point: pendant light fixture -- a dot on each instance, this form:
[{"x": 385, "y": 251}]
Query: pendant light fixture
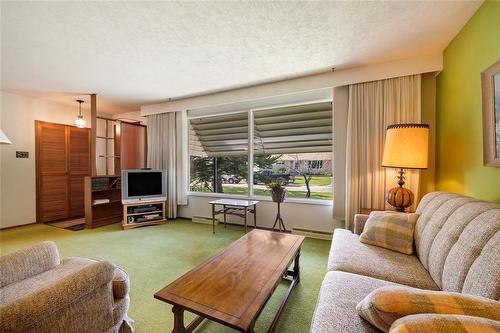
[{"x": 80, "y": 122}]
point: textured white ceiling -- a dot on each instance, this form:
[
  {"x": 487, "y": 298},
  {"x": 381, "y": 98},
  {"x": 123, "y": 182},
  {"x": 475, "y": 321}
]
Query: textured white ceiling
[{"x": 135, "y": 53}]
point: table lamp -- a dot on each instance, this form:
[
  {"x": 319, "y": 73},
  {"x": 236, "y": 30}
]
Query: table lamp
[{"x": 406, "y": 147}]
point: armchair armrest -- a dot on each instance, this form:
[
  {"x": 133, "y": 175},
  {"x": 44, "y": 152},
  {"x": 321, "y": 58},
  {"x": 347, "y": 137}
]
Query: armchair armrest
[
  {"x": 51, "y": 291},
  {"x": 28, "y": 262},
  {"x": 359, "y": 223}
]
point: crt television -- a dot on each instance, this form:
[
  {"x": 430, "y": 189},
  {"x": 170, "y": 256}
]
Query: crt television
[{"x": 144, "y": 185}]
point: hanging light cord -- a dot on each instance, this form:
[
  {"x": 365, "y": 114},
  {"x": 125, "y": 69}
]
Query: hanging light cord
[{"x": 80, "y": 106}]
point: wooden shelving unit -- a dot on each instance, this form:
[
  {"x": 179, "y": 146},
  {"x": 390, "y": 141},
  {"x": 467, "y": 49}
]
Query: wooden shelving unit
[
  {"x": 136, "y": 214},
  {"x": 97, "y": 189}
]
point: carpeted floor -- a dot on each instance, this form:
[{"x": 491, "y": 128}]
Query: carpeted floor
[{"x": 155, "y": 256}]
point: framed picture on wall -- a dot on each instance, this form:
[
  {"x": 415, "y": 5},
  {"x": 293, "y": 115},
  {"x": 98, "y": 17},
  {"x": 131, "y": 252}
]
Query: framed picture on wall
[{"x": 490, "y": 82}]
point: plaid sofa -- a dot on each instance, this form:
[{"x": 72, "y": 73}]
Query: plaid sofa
[
  {"x": 39, "y": 292},
  {"x": 457, "y": 248}
]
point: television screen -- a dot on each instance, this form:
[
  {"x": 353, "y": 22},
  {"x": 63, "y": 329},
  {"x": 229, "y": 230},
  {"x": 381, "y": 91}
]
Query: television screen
[{"x": 144, "y": 183}]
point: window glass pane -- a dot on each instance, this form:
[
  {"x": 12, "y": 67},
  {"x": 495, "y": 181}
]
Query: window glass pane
[
  {"x": 100, "y": 152},
  {"x": 218, "y": 153},
  {"x": 294, "y": 144}
]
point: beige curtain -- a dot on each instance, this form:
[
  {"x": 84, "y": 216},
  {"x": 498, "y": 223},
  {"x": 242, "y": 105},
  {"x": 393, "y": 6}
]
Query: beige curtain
[
  {"x": 167, "y": 149},
  {"x": 372, "y": 107}
]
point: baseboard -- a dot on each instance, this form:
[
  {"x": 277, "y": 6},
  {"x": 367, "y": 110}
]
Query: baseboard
[
  {"x": 17, "y": 226},
  {"x": 312, "y": 233}
]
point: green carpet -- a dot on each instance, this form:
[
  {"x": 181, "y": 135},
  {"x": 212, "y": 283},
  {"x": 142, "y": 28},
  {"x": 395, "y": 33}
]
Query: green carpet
[{"x": 156, "y": 255}]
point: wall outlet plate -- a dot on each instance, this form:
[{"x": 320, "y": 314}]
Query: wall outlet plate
[{"x": 22, "y": 154}]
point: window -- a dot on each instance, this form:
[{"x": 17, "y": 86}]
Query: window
[
  {"x": 218, "y": 154},
  {"x": 293, "y": 143}
]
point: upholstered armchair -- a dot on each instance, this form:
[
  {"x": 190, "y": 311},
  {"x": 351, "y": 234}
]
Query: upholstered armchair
[{"x": 39, "y": 292}]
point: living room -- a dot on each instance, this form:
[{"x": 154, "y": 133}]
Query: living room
[{"x": 165, "y": 165}]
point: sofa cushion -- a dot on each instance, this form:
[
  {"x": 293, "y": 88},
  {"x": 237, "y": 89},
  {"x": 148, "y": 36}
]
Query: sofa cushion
[
  {"x": 483, "y": 278},
  {"x": 385, "y": 305},
  {"x": 348, "y": 254},
  {"x": 336, "y": 308},
  {"x": 391, "y": 230},
  {"x": 436, "y": 323},
  {"x": 451, "y": 235}
]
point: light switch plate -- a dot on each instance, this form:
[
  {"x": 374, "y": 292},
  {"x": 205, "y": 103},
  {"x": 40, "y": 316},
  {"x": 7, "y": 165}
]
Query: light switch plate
[{"x": 22, "y": 154}]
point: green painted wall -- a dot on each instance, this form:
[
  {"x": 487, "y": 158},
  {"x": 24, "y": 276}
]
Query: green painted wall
[{"x": 459, "y": 115}]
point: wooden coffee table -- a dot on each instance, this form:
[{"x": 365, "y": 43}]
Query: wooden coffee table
[{"x": 233, "y": 286}]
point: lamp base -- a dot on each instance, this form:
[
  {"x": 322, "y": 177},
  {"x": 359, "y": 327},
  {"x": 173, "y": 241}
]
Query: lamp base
[{"x": 400, "y": 198}]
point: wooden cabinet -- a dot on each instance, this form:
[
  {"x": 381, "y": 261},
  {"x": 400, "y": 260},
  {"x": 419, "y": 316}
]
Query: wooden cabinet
[
  {"x": 138, "y": 214},
  {"x": 103, "y": 203},
  {"x": 62, "y": 162}
]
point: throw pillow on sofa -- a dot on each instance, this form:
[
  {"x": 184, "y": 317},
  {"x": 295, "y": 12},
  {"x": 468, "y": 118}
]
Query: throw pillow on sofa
[
  {"x": 383, "y": 306},
  {"x": 391, "y": 230},
  {"x": 437, "y": 323}
]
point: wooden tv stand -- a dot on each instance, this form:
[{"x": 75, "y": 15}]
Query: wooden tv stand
[{"x": 135, "y": 214}]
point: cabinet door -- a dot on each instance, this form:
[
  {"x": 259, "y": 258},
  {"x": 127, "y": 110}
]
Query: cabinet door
[
  {"x": 78, "y": 167},
  {"x": 52, "y": 180}
]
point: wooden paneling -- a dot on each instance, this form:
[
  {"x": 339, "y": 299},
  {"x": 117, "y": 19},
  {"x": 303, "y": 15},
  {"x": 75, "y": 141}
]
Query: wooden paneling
[
  {"x": 53, "y": 196},
  {"x": 79, "y": 151},
  {"x": 51, "y": 155},
  {"x": 52, "y": 148},
  {"x": 79, "y": 167},
  {"x": 131, "y": 142},
  {"x": 76, "y": 198},
  {"x": 62, "y": 161}
]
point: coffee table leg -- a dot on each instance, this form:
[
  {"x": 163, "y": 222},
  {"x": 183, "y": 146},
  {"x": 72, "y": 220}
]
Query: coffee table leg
[
  {"x": 255, "y": 216},
  {"x": 224, "y": 208},
  {"x": 296, "y": 266},
  {"x": 245, "y": 209},
  {"x": 178, "y": 320},
  {"x": 213, "y": 218},
  {"x": 250, "y": 329}
]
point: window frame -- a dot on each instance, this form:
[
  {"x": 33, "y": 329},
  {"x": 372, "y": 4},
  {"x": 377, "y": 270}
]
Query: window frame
[{"x": 250, "y": 155}]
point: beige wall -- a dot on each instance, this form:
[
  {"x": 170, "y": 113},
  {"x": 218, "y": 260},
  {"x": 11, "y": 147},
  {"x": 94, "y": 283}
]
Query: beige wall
[
  {"x": 295, "y": 214},
  {"x": 17, "y": 176}
]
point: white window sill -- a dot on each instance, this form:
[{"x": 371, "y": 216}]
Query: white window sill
[{"x": 261, "y": 198}]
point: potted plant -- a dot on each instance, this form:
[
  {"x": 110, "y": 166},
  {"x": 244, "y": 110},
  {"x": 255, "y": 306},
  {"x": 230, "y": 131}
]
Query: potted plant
[
  {"x": 278, "y": 193},
  {"x": 278, "y": 190}
]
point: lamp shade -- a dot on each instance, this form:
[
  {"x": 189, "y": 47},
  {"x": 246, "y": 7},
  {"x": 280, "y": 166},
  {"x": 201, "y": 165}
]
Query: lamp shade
[
  {"x": 406, "y": 146},
  {"x": 4, "y": 138}
]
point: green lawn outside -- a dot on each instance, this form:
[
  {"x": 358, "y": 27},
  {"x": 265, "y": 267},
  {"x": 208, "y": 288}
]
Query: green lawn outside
[
  {"x": 291, "y": 194},
  {"x": 315, "y": 180}
]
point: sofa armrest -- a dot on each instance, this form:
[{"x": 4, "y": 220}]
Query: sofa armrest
[
  {"x": 28, "y": 262},
  {"x": 28, "y": 310},
  {"x": 359, "y": 223}
]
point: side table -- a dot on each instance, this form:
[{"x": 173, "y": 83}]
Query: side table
[{"x": 234, "y": 207}]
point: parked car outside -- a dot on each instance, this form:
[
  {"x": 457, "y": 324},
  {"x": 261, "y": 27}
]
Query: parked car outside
[
  {"x": 265, "y": 176},
  {"x": 231, "y": 179}
]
